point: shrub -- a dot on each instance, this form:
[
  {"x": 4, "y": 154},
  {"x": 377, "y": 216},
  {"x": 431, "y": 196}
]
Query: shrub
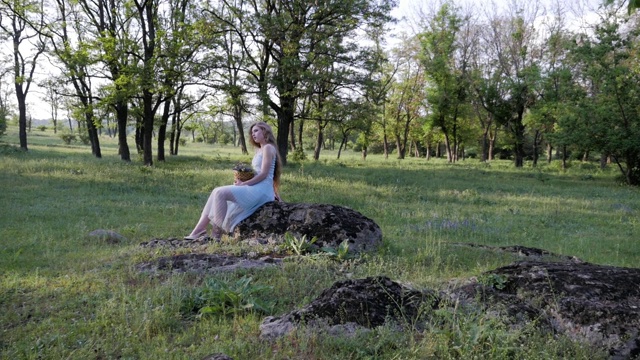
[
  {"x": 219, "y": 297},
  {"x": 588, "y": 166},
  {"x": 298, "y": 246},
  {"x": 298, "y": 154},
  {"x": 84, "y": 138},
  {"x": 68, "y": 138}
]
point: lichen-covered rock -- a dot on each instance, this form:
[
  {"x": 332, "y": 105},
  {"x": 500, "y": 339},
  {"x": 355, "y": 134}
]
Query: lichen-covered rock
[
  {"x": 596, "y": 304},
  {"x": 330, "y": 224},
  {"x": 366, "y": 302}
]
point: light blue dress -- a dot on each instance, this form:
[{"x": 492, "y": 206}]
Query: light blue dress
[{"x": 248, "y": 197}]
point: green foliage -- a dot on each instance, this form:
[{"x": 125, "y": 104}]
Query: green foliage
[
  {"x": 610, "y": 118},
  {"x": 298, "y": 154},
  {"x": 298, "y": 245},
  {"x": 84, "y": 138},
  {"x": 67, "y": 137},
  {"x": 341, "y": 253},
  {"x": 496, "y": 281},
  {"x": 226, "y": 297}
]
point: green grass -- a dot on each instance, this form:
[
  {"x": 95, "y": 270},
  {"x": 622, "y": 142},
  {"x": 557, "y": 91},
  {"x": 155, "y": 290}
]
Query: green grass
[{"x": 64, "y": 295}]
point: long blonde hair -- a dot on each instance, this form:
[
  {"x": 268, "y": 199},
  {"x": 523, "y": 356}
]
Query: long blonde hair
[{"x": 271, "y": 139}]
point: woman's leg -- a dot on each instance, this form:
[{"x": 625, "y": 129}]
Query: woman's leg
[
  {"x": 214, "y": 212},
  {"x": 218, "y": 209},
  {"x": 201, "y": 226}
]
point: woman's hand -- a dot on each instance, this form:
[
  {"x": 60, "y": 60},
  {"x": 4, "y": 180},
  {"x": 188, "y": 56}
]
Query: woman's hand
[{"x": 237, "y": 182}]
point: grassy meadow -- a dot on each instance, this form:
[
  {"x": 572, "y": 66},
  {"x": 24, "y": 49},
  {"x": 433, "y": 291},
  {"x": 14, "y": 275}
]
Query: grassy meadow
[{"x": 64, "y": 295}]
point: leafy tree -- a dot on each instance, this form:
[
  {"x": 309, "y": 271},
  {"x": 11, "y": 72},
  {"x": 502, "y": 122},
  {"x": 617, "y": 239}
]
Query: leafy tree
[
  {"x": 517, "y": 52},
  {"x": 54, "y": 96},
  {"x": 611, "y": 123},
  {"x": 231, "y": 56},
  {"x": 77, "y": 57},
  {"x": 5, "y": 109},
  {"x": 300, "y": 31},
  {"x": 445, "y": 57},
  {"x": 558, "y": 92},
  {"x": 185, "y": 107},
  {"x": 378, "y": 80},
  {"x": 181, "y": 45},
  {"x": 22, "y": 22},
  {"x": 106, "y": 27},
  {"x": 405, "y": 103}
]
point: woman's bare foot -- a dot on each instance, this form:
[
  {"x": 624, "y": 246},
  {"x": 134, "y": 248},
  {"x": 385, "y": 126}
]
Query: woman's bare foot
[{"x": 195, "y": 235}]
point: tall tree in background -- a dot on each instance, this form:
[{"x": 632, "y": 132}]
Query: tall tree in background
[
  {"x": 609, "y": 65},
  {"x": 515, "y": 45},
  {"x": 298, "y": 30},
  {"x": 146, "y": 15},
  {"x": 74, "y": 52},
  {"x": 54, "y": 96},
  {"x": 445, "y": 55},
  {"x": 378, "y": 80},
  {"x": 181, "y": 45},
  {"x": 109, "y": 27},
  {"x": 558, "y": 91},
  {"x": 22, "y": 21},
  {"x": 230, "y": 56},
  {"x": 406, "y": 97},
  {"x": 5, "y": 109}
]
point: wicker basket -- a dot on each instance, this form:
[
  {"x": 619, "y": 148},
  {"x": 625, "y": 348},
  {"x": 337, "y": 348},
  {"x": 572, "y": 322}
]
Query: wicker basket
[{"x": 243, "y": 175}]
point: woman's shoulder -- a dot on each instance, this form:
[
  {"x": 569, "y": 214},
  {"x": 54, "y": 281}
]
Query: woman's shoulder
[{"x": 268, "y": 148}]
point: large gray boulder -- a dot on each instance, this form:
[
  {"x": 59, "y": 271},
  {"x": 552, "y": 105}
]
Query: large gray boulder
[
  {"x": 594, "y": 304},
  {"x": 330, "y": 224},
  {"x": 363, "y": 303}
]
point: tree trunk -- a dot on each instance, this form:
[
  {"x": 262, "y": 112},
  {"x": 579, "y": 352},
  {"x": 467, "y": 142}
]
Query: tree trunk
[
  {"x": 162, "y": 130},
  {"x": 138, "y": 136},
  {"x": 300, "y": 131},
  {"x": 485, "y": 146},
  {"x": 285, "y": 114},
  {"x": 427, "y": 146},
  {"x": 93, "y": 134},
  {"x": 237, "y": 115},
  {"x": 604, "y": 160},
  {"x": 292, "y": 135},
  {"x": 319, "y": 141},
  {"x": 147, "y": 133},
  {"x": 343, "y": 144},
  {"x": 447, "y": 147},
  {"x": 399, "y": 147},
  {"x": 22, "y": 116},
  {"x": 536, "y": 140},
  {"x": 385, "y": 145},
  {"x": 519, "y": 142},
  {"x": 492, "y": 145}
]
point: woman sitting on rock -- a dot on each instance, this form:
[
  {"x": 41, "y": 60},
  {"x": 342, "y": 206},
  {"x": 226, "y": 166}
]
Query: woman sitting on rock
[{"x": 228, "y": 205}]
